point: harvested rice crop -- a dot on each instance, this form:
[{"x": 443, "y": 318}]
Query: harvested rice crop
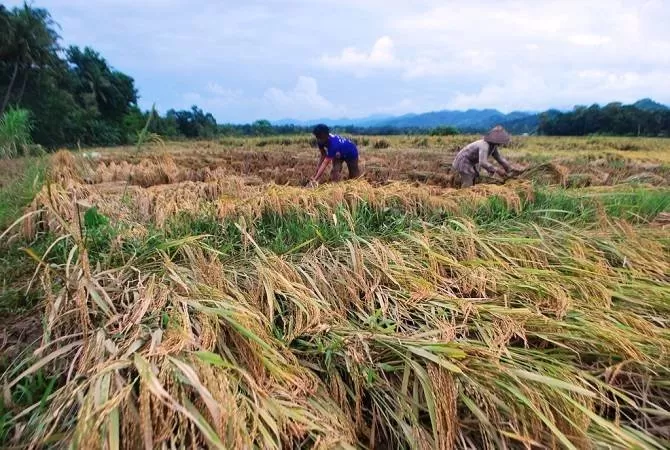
[{"x": 198, "y": 308}]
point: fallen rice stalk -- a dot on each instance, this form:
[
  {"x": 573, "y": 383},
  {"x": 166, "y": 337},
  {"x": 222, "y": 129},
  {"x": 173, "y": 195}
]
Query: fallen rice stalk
[{"x": 448, "y": 334}]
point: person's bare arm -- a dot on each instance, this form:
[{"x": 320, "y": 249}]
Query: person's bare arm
[
  {"x": 325, "y": 161},
  {"x": 502, "y": 161},
  {"x": 484, "y": 160},
  {"x": 322, "y": 156}
]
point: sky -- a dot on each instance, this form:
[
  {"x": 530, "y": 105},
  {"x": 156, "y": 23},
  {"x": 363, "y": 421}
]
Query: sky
[{"x": 307, "y": 59}]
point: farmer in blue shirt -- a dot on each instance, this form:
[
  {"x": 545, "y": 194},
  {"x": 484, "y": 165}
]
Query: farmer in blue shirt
[{"x": 337, "y": 150}]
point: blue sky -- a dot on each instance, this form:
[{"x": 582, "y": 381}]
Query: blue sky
[{"x": 246, "y": 60}]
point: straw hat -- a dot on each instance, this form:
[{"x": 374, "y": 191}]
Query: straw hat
[{"x": 498, "y": 135}]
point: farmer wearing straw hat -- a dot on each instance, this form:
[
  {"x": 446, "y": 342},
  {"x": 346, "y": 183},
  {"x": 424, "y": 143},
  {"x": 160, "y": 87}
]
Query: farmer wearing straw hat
[
  {"x": 337, "y": 150},
  {"x": 476, "y": 155}
]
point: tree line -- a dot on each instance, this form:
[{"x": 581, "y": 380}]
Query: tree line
[
  {"x": 72, "y": 95},
  {"x": 613, "y": 119},
  {"x": 266, "y": 128}
]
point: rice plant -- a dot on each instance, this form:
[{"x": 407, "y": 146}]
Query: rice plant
[
  {"x": 144, "y": 136},
  {"x": 200, "y": 308}
]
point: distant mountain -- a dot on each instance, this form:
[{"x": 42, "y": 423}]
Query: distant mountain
[
  {"x": 470, "y": 119},
  {"x": 523, "y": 125},
  {"x": 516, "y": 122},
  {"x": 648, "y": 104}
]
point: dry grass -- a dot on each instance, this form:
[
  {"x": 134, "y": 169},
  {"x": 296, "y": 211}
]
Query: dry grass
[
  {"x": 599, "y": 158},
  {"x": 448, "y": 334},
  {"x": 232, "y": 197}
]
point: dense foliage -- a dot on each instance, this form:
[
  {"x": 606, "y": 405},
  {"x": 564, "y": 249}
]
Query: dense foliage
[
  {"x": 613, "y": 119},
  {"x": 73, "y": 95},
  {"x": 15, "y": 129},
  {"x": 265, "y": 128}
]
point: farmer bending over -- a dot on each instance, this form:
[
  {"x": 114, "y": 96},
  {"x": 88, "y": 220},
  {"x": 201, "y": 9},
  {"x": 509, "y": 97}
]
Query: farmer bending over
[
  {"x": 337, "y": 150},
  {"x": 475, "y": 155}
]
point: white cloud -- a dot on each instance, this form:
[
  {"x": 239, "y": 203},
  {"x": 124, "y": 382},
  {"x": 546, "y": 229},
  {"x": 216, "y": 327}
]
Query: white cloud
[
  {"x": 218, "y": 90},
  {"x": 214, "y": 96},
  {"x": 589, "y": 39},
  {"x": 523, "y": 91},
  {"x": 460, "y": 63},
  {"x": 515, "y": 54},
  {"x": 592, "y": 74},
  {"x": 511, "y": 32},
  {"x": 302, "y": 101},
  {"x": 483, "y": 18},
  {"x": 381, "y": 56}
]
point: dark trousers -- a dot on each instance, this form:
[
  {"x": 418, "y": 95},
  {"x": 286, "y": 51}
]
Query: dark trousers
[{"x": 352, "y": 167}]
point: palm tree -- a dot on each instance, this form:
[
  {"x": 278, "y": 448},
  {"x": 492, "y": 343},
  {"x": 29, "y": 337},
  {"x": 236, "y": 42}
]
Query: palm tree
[
  {"x": 32, "y": 42},
  {"x": 6, "y": 32},
  {"x": 108, "y": 92}
]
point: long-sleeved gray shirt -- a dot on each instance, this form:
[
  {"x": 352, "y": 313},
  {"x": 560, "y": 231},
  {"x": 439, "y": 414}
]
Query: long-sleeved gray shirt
[{"x": 476, "y": 155}]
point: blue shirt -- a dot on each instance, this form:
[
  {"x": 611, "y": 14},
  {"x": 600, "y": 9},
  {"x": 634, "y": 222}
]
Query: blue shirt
[{"x": 340, "y": 148}]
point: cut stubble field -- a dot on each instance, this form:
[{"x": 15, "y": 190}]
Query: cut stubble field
[{"x": 196, "y": 295}]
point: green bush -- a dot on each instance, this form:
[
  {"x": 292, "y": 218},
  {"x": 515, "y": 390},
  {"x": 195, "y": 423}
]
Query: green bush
[
  {"x": 19, "y": 188},
  {"x": 101, "y": 133},
  {"x": 15, "y": 128},
  {"x": 444, "y": 131}
]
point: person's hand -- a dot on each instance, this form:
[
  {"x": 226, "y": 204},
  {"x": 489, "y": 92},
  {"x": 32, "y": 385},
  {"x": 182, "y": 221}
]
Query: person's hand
[
  {"x": 501, "y": 172},
  {"x": 312, "y": 183},
  {"x": 517, "y": 169}
]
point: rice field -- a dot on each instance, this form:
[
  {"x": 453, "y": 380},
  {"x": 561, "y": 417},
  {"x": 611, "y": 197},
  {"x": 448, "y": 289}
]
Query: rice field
[{"x": 196, "y": 295}]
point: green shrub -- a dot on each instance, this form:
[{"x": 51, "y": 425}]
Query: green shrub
[
  {"x": 101, "y": 133},
  {"x": 19, "y": 188},
  {"x": 15, "y": 128},
  {"x": 444, "y": 131}
]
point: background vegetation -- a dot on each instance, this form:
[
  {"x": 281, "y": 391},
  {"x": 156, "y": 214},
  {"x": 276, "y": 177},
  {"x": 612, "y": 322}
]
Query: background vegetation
[
  {"x": 55, "y": 96},
  {"x": 644, "y": 118}
]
